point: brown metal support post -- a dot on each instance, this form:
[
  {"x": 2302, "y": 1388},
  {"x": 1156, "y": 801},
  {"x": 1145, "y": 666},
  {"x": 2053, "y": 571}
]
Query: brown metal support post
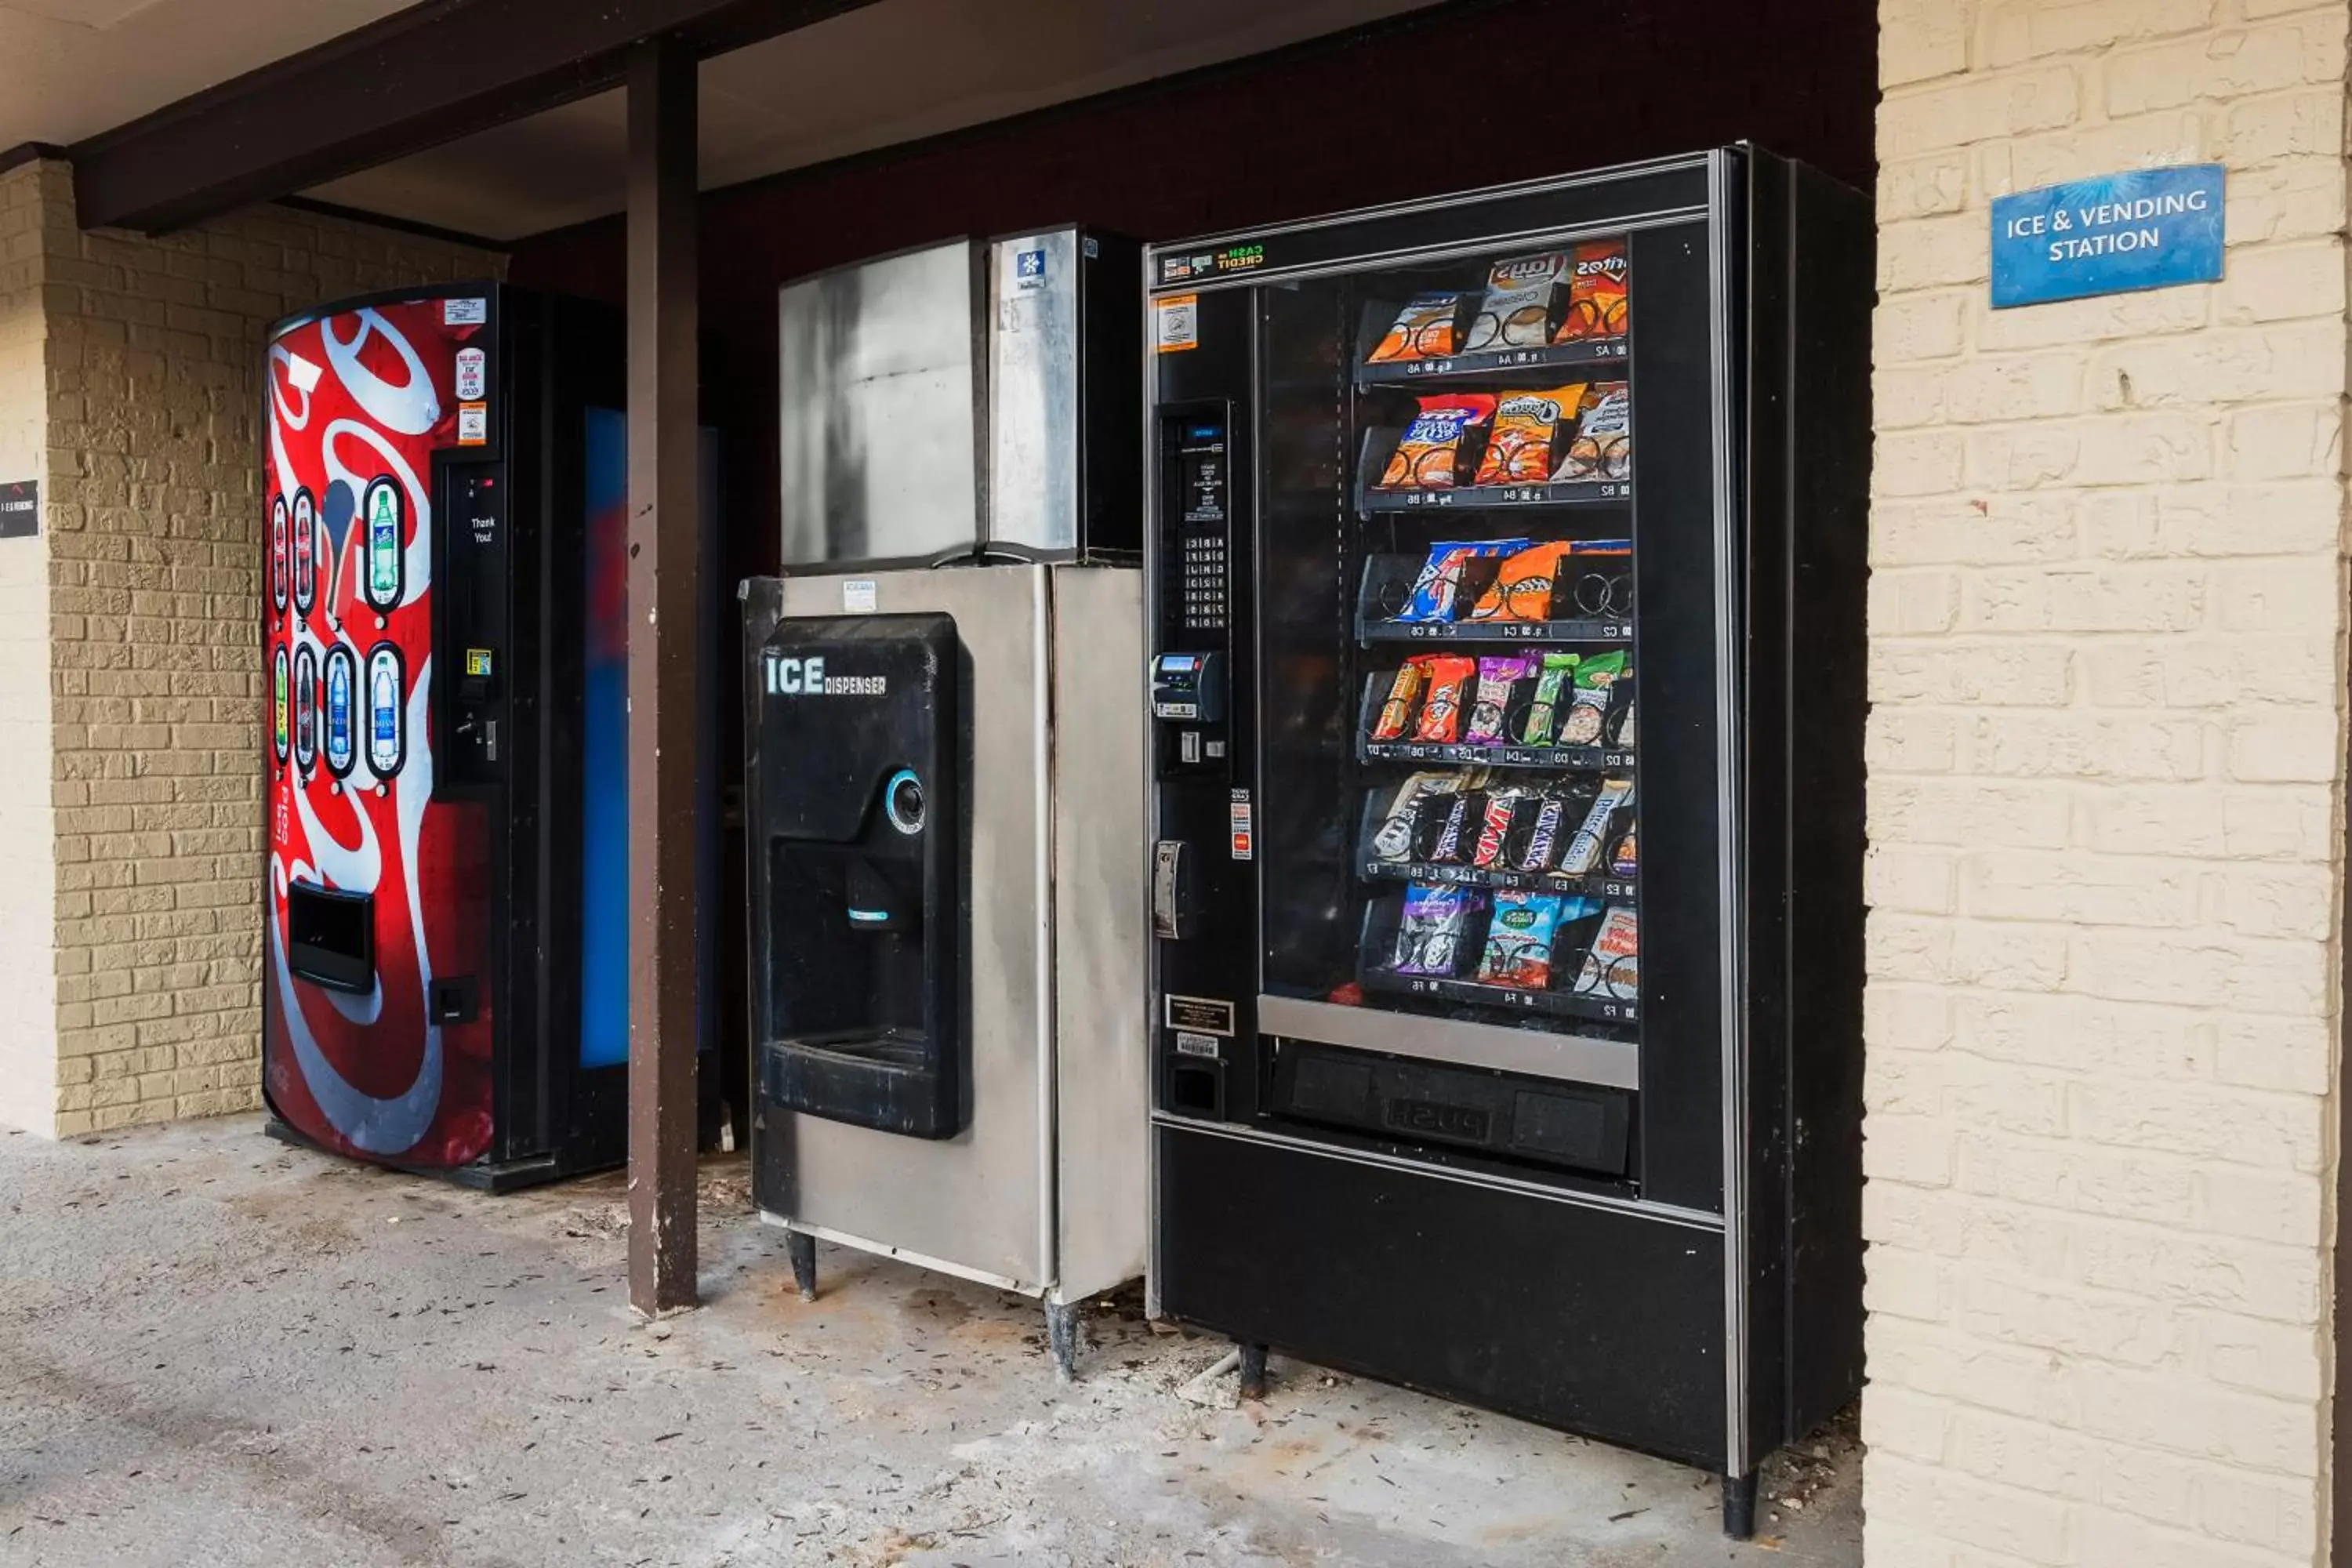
[{"x": 665, "y": 592}]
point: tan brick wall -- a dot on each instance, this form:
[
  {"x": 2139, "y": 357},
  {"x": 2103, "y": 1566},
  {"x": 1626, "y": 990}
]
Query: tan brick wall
[
  {"x": 2107, "y": 626},
  {"x": 154, "y": 351},
  {"x": 28, "y": 1057}
]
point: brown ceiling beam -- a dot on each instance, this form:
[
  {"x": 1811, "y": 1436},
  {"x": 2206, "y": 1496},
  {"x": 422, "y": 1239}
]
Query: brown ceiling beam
[{"x": 420, "y": 77}]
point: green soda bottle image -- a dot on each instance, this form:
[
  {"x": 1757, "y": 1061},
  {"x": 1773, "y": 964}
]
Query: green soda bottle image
[
  {"x": 382, "y": 504},
  {"x": 277, "y": 701}
]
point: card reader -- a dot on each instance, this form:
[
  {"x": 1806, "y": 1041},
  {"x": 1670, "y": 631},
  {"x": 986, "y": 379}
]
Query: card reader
[{"x": 1189, "y": 687}]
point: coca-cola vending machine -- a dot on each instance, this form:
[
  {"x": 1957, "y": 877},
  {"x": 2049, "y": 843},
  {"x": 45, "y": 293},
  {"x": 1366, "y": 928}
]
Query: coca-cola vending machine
[{"x": 446, "y": 938}]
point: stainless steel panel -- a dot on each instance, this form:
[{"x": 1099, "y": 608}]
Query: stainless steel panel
[
  {"x": 977, "y": 1200},
  {"x": 1102, "y": 1047},
  {"x": 1540, "y": 1053},
  {"x": 1033, "y": 377},
  {"x": 879, "y": 383}
]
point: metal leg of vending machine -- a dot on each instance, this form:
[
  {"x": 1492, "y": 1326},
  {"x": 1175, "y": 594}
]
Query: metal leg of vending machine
[
  {"x": 1739, "y": 1506},
  {"x": 802, "y": 1247},
  {"x": 1252, "y": 1370},
  {"x": 1476, "y": 1004}
]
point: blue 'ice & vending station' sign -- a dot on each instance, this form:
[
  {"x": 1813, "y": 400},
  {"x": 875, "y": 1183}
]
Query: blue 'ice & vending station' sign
[{"x": 2150, "y": 228}]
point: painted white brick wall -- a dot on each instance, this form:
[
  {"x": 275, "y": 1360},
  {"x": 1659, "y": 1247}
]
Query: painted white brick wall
[
  {"x": 2107, "y": 756},
  {"x": 29, "y": 1059},
  {"x": 145, "y": 420}
]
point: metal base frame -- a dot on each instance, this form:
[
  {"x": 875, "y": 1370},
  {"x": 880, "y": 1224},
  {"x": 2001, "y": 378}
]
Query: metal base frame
[{"x": 494, "y": 1177}]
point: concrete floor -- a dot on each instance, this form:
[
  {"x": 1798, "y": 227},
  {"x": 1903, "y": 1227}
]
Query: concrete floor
[{"x": 216, "y": 1350}]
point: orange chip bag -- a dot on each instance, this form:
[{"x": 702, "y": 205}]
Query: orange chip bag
[
  {"x": 1522, "y": 587},
  {"x": 1596, "y": 293},
  {"x": 1425, "y": 456},
  {"x": 1519, "y": 452},
  {"x": 1427, "y": 328}
]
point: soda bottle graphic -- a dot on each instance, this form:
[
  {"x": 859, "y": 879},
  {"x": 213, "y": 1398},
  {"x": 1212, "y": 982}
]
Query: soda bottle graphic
[
  {"x": 382, "y": 504},
  {"x": 339, "y": 710},
  {"x": 306, "y": 551},
  {"x": 277, "y": 701},
  {"x": 384, "y": 711},
  {"x": 277, "y": 553},
  {"x": 306, "y": 709}
]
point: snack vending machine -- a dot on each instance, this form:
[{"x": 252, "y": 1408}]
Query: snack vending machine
[
  {"x": 1507, "y": 563},
  {"x": 943, "y": 778},
  {"x": 445, "y": 918}
]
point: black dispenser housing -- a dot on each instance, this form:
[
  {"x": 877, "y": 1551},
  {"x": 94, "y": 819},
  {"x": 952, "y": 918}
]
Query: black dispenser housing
[{"x": 858, "y": 870}]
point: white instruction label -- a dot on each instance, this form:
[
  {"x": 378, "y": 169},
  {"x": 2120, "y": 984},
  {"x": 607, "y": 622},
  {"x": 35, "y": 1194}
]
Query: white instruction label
[
  {"x": 473, "y": 374},
  {"x": 857, "y": 596},
  {"x": 465, "y": 312}
]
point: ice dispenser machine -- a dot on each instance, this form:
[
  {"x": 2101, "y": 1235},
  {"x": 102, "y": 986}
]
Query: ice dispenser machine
[
  {"x": 944, "y": 772},
  {"x": 856, "y": 970}
]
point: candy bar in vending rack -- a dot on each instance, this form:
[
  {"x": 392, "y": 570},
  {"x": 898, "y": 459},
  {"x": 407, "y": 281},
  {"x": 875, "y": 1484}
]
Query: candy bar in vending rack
[
  {"x": 1498, "y": 679},
  {"x": 1435, "y": 926},
  {"x": 1522, "y": 299},
  {"x": 1437, "y": 591},
  {"x": 1584, "y": 850},
  {"x": 1520, "y": 451},
  {"x": 1613, "y": 964},
  {"x": 1427, "y": 454},
  {"x": 1396, "y": 709},
  {"x": 1495, "y": 830},
  {"x": 1400, "y": 828},
  {"x": 1452, "y": 829},
  {"x": 1596, "y": 293},
  {"x": 1602, "y": 447},
  {"x": 1427, "y": 328},
  {"x": 1544, "y": 841},
  {"x": 1449, "y": 683},
  {"x": 1551, "y": 683}
]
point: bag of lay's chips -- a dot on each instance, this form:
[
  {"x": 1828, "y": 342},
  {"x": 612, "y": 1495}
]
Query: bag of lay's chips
[
  {"x": 1426, "y": 455},
  {"x": 1596, "y": 293},
  {"x": 1522, "y": 299},
  {"x": 1427, "y": 328},
  {"x": 1520, "y": 451}
]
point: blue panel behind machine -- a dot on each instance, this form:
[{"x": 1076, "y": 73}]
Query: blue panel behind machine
[{"x": 603, "y": 746}]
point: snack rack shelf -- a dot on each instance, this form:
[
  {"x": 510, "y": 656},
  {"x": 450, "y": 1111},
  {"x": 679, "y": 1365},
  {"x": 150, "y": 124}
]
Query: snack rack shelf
[
  {"x": 1611, "y": 352},
  {"x": 1598, "y": 885},
  {"x": 1380, "y": 444},
  {"x": 1557, "y": 1003}
]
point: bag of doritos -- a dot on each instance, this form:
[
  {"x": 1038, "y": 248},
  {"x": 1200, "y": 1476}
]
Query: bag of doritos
[
  {"x": 1426, "y": 454},
  {"x": 1596, "y": 293},
  {"x": 1520, "y": 451}
]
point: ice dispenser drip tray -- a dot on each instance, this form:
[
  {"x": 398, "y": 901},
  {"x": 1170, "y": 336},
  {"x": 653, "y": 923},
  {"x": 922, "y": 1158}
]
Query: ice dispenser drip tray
[{"x": 861, "y": 877}]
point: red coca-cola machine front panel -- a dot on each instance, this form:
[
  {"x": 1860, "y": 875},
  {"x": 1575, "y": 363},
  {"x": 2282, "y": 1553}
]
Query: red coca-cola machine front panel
[{"x": 378, "y": 1011}]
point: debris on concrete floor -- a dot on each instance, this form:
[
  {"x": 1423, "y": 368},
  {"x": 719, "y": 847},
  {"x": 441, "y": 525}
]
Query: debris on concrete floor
[{"x": 215, "y": 1348}]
